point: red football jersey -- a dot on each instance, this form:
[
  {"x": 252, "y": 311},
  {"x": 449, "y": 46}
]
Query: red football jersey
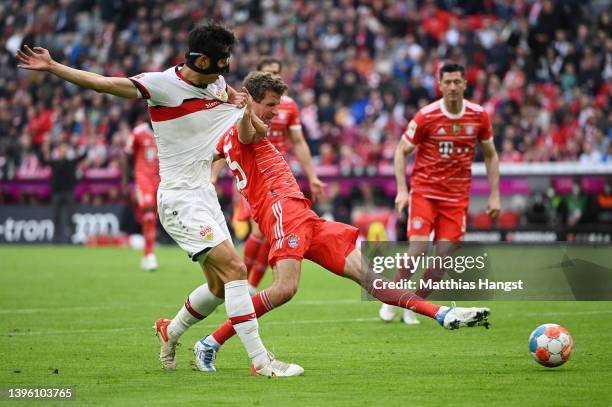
[
  {"x": 288, "y": 118},
  {"x": 262, "y": 174},
  {"x": 445, "y": 149},
  {"x": 146, "y": 164}
]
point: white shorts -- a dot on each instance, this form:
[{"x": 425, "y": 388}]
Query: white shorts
[{"x": 193, "y": 218}]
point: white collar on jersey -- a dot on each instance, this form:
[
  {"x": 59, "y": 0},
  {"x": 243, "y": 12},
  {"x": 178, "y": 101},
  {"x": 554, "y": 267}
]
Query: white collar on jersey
[{"x": 452, "y": 115}]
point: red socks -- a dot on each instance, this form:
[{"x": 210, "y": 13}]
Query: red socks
[
  {"x": 149, "y": 226},
  {"x": 400, "y": 298},
  {"x": 262, "y": 305},
  {"x": 256, "y": 250}
]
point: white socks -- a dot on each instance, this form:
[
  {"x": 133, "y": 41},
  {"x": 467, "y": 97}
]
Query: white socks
[
  {"x": 241, "y": 313},
  {"x": 198, "y": 305}
]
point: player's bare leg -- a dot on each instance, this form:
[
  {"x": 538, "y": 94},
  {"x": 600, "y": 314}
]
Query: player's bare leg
[
  {"x": 286, "y": 278},
  {"x": 200, "y": 303},
  {"x": 256, "y": 250},
  {"x": 226, "y": 264}
]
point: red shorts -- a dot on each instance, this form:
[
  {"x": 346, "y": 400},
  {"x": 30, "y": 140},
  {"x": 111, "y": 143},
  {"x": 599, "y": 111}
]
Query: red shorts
[
  {"x": 296, "y": 232},
  {"x": 244, "y": 210},
  {"x": 146, "y": 196},
  {"x": 446, "y": 219}
]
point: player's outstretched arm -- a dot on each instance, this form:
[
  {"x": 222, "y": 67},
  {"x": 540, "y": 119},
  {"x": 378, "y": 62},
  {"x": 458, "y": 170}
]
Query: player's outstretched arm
[
  {"x": 246, "y": 130},
  {"x": 302, "y": 152},
  {"x": 492, "y": 165},
  {"x": 251, "y": 129},
  {"x": 399, "y": 164},
  {"x": 39, "y": 59}
]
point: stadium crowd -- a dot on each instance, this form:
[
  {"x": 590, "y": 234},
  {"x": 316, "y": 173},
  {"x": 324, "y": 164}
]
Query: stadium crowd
[{"x": 358, "y": 69}]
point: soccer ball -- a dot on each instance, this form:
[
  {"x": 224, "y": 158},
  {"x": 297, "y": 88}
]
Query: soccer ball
[{"x": 551, "y": 345}]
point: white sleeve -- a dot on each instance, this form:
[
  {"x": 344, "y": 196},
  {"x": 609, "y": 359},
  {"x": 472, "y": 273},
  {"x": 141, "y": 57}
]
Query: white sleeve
[{"x": 153, "y": 86}]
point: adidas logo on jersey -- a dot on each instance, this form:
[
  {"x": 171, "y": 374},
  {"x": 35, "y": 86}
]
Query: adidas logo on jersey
[{"x": 441, "y": 131}]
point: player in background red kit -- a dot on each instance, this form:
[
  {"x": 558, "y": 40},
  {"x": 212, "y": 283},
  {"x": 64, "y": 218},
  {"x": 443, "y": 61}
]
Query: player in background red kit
[
  {"x": 141, "y": 145},
  {"x": 293, "y": 230},
  {"x": 444, "y": 135},
  {"x": 285, "y": 133}
]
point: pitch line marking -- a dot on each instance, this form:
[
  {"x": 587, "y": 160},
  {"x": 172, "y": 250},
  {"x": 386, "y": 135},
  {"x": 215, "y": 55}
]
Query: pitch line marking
[
  {"x": 114, "y": 330},
  {"x": 295, "y": 322},
  {"x": 129, "y": 306}
]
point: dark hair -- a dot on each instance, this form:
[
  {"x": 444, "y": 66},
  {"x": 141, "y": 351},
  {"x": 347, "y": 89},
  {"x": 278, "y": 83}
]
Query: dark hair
[
  {"x": 268, "y": 61},
  {"x": 210, "y": 39},
  {"x": 258, "y": 83},
  {"x": 451, "y": 67}
]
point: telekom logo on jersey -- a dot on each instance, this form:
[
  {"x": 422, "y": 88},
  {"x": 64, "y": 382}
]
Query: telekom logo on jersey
[{"x": 445, "y": 148}]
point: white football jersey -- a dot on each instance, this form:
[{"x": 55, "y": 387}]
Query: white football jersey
[{"x": 187, "y": 121}]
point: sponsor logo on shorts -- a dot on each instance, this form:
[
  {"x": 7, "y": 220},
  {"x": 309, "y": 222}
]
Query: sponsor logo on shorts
[
  {"x": 417, "y": 223},
  {"x": 293, "y": 241},
  {"x": 206, "y": 233}
]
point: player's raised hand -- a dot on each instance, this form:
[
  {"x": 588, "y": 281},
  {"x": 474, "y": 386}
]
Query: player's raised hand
[
  {"x": 37, "y": 59},
  {"x": 401, "y": 201},
  {"x": 248, "y": 100},
  {"x": 260, "y": 127},
  {"x": 493, "y": 207},
  {"x": 238, "y": 99},
  {"x": 317, "y": 189}
]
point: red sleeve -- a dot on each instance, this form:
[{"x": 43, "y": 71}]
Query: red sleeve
[
  {"x": 295, "y": 115},
  {"x": 415, "y": 131},
  {"x": 486, "y": 130}
]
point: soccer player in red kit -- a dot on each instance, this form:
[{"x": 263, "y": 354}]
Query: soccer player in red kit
[
  {"x": 293, "y": 230},
  {"x": 141, "y": 145},
  {"x": 444, "y": 135},
  {"x": 191, "y": 107},
  {"x": 285, "y": 132}
]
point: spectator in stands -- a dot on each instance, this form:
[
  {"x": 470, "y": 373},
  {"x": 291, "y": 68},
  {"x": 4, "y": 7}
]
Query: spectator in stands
[
  {"x": 63, "y": 163},
  {"x": 604, "y": 203},
  {"x": 558, "y": 209},
  {"x": 589, "y": 154},
  {"x": 576, "y": 203}
]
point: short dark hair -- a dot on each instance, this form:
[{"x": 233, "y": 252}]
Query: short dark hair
[
  {"x": 451, "y": 67},
  {"x": 210, "y": 38},
  {"x": 267, "y": 60},
  {"x": 258, "y": 83}
]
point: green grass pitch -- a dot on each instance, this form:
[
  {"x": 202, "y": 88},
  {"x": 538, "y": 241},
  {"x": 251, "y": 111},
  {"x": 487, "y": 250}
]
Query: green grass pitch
[{"x": 82, "y": 317}]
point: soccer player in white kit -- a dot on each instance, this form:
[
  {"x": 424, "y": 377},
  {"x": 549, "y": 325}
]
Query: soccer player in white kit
[{"x": 190, "y": 106}]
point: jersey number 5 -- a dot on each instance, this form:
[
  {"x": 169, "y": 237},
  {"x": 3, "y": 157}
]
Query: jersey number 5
[{"x": 241, "y": 179}]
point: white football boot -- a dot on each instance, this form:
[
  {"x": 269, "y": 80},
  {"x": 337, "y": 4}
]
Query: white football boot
[
  {"x": 277, "y": 368},
  {"x": 409, "y": 317},
  {"x": 386, "y": 312},
  {"x": 205, "y": 356},
  {"x": 149, "y": 263},
  {"x": 167, "y": 352},
  {"x": 457, "y": 317}
]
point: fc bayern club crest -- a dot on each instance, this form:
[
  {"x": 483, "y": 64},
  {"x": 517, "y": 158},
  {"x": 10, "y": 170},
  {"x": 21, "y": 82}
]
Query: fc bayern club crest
[
  {"x": 417, "y": 223},
  {"x": 293, "y": 241}
]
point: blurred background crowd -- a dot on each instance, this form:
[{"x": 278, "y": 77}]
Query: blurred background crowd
[{"x": 359, "y": 70}]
